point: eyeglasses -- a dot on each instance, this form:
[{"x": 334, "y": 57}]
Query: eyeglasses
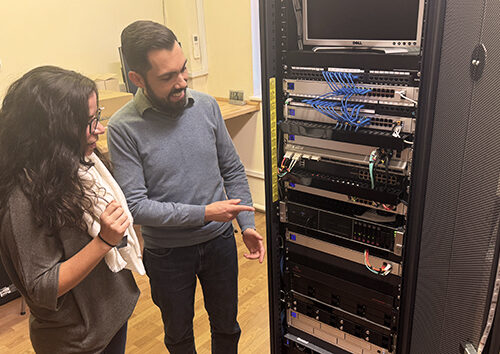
[{"x": 94, "y": 122}]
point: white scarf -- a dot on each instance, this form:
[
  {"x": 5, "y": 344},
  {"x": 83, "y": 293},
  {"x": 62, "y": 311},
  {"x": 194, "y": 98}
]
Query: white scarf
[{"x": 105, "y": 186}]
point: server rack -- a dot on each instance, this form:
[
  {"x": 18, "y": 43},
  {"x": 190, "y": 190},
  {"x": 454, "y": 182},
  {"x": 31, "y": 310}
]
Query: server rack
[{"x": 335, "y": 213}]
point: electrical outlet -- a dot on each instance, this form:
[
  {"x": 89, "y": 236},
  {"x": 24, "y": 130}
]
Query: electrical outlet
[{"x": 196, "y": 46}]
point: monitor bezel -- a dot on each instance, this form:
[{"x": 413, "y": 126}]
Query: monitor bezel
[{"x": 365, "y": 43}]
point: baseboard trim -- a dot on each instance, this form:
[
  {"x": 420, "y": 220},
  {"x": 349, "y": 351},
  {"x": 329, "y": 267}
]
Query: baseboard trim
[
  {"x": 259, "y": 207},
  {"x": 255, "y": 174}
]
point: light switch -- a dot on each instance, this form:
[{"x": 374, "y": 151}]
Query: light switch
[{"x": 196, "y": 46}]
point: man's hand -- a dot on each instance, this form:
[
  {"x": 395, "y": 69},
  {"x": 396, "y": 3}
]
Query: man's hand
[
  {"x": 254, "y": 243},
  {"x": 225, "y": 210}
]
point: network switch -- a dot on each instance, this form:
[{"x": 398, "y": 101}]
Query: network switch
[
  {"x": 400, "y": 209},
  {"x": 303, "y": 111}
]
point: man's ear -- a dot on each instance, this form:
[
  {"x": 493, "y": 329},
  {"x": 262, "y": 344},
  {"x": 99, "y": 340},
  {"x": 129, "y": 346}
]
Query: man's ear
[{"x": 137, "y": 79}]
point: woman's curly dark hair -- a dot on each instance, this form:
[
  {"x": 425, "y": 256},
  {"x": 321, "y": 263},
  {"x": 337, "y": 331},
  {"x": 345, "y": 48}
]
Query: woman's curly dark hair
[{"x": 43, "y": 122}]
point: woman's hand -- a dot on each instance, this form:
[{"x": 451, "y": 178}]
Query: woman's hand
[{"x": 114, "y": 223}]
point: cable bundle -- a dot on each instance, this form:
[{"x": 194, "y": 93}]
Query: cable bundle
[
  {"x": 345, "y": 113},
  {"x": 377, "y": 156},
  {"x": 387, "y": 207},
  {"x": 385, "y": 270},
  {"x": 288, "y": 163}
]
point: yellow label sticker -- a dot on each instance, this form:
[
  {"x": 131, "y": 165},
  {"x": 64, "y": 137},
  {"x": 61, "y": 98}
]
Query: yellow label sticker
[{"x": 274, "y": 137}]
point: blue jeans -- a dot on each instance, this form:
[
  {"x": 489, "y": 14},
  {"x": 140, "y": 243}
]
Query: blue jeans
[{"x": 172, "y": 275}]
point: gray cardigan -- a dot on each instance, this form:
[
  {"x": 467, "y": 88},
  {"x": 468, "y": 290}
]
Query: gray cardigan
[{"x": 84, "y": 319}]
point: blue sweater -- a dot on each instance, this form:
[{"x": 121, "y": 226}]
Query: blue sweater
[{"x": 170, "y": 168}]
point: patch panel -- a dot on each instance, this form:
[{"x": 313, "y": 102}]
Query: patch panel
[
  {"x": 376, "y": 77},
  {"x": 379, "y": 95}
]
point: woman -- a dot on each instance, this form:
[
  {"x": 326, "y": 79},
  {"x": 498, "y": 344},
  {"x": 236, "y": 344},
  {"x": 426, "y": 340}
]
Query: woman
[{"x": 61, "y": 216}]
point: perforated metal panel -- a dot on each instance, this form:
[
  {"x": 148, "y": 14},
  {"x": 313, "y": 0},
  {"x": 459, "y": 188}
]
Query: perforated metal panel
[{"x": 462, "y": 205}]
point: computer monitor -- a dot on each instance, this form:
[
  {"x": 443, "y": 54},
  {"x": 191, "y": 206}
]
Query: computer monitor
[
  {"x": 363, "y": 23},
  {"x": 125, "y": 69}
]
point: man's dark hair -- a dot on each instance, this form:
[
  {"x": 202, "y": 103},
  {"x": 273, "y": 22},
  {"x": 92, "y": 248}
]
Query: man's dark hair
[
  {"x": 139, "y": 38},
  {"x": 43, "y": 123}
]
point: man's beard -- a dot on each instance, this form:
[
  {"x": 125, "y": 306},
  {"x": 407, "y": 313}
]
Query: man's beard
[{"x": 163, "y": 104}]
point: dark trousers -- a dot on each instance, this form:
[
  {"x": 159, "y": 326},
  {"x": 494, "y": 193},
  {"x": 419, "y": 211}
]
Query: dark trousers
[
  {"x": 172, "y": 275},
  {"x": 117, "y": 344}
]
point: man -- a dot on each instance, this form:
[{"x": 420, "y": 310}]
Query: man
[{"x": 184, "y": 183}]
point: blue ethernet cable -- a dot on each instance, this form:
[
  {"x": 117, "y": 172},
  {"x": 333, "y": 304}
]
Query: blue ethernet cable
[
  {"x": 339, "y": 78},
  {"x": 317, "y": 104},
  {"x": 355, "y": 109},
  {"x": 350, "y": 81},
  {"x": 363, "y": 120},
  {"x": 330, "y": 107},
  {"x": 344, "y": 101},
  {"x": 340, "y": 84},
  {"x": 333, "y": 86},
  {"x": 343, "y": 88},
  {"x": 335, "y": 77},
  {"x": 323, "y": 109},
  {"x": 333, "y": 105},
  {"x": 330, "y": 111},
  {"x": 330, "y": 84}
]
